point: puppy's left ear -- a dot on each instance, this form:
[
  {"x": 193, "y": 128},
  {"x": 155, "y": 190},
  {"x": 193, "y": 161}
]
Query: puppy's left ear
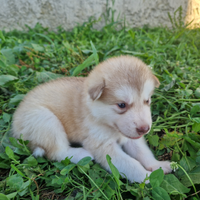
[
  {"x": 156, "y": 81},
  {"x": 96, "y": 90}
]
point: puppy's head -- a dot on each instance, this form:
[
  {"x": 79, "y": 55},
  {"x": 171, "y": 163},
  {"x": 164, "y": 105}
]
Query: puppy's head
[{"x": 119, "y": 95}]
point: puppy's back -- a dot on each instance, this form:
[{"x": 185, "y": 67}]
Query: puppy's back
[{"x": 55, "y": 95}]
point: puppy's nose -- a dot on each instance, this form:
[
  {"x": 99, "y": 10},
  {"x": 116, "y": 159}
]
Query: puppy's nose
[{"x": 142, "y": 130}]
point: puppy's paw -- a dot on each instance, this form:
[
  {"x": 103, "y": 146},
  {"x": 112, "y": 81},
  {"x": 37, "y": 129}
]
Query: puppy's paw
[
  {"x": 143, "y": 177},
  {"x": 140, "y": 176},
  {"x": 165, "y": 165},
  {"x": 80, "y": 153},
  {"x": 148, "y": 173},
  {"x": 76, "y": 154}
]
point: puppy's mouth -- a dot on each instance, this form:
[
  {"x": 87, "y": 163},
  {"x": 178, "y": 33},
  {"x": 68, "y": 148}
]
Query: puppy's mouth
[{"x": 134, "y": 138}]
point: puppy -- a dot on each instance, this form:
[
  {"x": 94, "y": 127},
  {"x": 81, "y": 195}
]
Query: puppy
[{"x": 107, "y": 113}]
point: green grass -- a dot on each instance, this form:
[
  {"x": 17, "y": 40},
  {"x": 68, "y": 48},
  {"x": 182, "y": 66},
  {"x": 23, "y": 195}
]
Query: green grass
[{"x": 39, "y": 55}]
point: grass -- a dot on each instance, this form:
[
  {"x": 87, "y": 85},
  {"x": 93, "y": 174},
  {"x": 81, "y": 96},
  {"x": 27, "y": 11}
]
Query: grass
[{"x": 29, "y": 58}]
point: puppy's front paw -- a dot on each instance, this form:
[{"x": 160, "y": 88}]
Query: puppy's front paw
[
  {"x": 165, "y": 165},
  {"x": 140, "y": 176}
]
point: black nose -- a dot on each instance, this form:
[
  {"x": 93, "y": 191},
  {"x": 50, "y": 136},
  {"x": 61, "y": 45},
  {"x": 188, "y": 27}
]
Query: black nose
[{"x": 142, "y": 130}]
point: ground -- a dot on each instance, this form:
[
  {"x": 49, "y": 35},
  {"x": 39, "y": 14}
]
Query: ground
[{"x": 34, "y": 56}]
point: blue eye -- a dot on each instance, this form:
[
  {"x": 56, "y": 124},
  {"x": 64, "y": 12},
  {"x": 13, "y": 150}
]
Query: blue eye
[{"x": 121, "y": 105}]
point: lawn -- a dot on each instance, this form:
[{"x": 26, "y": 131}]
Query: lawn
[{"x": 29, "y": 58}]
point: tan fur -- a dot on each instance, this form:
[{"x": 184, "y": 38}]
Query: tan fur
[{"x": 85, "y": 111}]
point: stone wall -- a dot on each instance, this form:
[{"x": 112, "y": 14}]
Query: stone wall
[{"x": 14, "y": 14}]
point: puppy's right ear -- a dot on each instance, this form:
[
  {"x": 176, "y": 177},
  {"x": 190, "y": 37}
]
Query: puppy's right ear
[{"x": 95, "y": 91}]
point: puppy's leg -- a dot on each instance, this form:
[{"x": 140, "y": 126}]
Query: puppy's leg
[
  {"x": 126, "y": 165},
  {"x": 46, "y": 135},
  {"x": 139, "y": 150}
]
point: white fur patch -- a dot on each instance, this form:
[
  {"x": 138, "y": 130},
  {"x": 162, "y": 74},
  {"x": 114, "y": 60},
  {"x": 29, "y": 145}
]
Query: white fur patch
[
  {"x": 126, "y": 94},
  {"x": 76, "y": 153},
  {"x": 38, "y": 151},
  {"x": 148, "y": 88}
]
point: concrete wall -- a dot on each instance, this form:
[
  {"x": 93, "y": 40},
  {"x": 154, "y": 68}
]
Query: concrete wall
[{"x": 14, "y": 14}]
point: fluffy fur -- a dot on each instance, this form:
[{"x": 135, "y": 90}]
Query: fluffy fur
[{"x": 87, "y": 111}]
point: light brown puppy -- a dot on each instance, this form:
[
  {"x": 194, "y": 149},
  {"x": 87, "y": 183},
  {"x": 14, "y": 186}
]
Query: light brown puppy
[{"x": 107, "y": 113}]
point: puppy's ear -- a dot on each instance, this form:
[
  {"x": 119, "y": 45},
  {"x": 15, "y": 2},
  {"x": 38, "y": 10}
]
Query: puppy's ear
[
  {"x": 156, "y": 81},
  {"x": 96, "y": 90}
]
